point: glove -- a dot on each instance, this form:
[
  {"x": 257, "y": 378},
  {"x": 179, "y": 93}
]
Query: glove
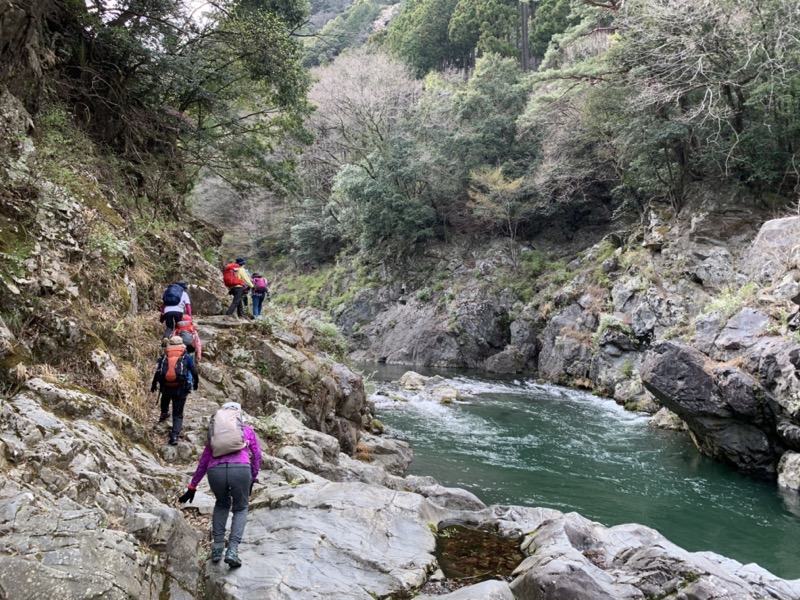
[
  {"x": 194, "y": 386},
  {"x": 152, "y": 389},
  {"x": 187, "y": 497},
  {"x": 252, "y": 483}
]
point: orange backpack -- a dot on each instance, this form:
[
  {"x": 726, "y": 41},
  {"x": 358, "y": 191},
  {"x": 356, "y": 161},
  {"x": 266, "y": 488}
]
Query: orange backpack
[
  {"x": 172, "y": 366},
  {"x": 230, "y": 275}
]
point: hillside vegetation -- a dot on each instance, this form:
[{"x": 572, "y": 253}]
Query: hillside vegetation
[{"x": 441, "y": 126}]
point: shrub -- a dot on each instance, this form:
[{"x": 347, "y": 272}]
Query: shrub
[
  {"x": 730, "y": 301},
  {"x": 329, "y": 339}
]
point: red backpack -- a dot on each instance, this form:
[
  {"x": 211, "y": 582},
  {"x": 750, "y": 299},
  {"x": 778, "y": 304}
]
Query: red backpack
[
  {"x": 185, "y": 324},
  {"x": 230, "y": 275}
]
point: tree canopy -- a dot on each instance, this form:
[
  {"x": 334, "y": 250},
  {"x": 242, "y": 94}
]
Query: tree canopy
[{"x": 216, "y": 91}]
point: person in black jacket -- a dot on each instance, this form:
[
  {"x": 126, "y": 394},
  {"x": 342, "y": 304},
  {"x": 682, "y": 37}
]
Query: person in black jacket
[{"x": 175, "y": 392}]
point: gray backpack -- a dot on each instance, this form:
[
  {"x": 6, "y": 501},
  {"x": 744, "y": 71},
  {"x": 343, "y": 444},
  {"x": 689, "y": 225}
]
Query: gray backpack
[{"x": 226, "y": 431}]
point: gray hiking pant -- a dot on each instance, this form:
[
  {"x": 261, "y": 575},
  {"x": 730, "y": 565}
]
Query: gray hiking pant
[{"x": 229, "y": 482}]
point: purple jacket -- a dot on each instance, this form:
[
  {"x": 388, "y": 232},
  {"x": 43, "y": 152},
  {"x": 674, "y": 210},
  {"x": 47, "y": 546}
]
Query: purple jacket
[{"x": 251, "y": 454}]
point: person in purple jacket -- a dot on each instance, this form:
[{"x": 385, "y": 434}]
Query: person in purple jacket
[{"x": 231, "y": 478}]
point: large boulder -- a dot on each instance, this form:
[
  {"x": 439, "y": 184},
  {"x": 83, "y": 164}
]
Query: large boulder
[
  {"x": 769, "y": 255},
  {"x": 730, "y": 415},
  {"x": 330, "y": 540},
  {"x": 572, "y": 557},
  {"x": 567, "y": 345},
  {"x": 509, "y": 361}
]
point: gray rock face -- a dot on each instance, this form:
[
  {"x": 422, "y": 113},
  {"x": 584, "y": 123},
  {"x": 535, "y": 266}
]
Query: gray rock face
[
  {"x": 789, "y": 471},
  {"x": 771, "y": 360},
  {"x": 741, "y": 331},
  {"x": 730, "y": 415},
  {"x": 345, "y": 541},
  {"x": 770, "y": 254},
  {"x": 420, "y": 332},
  {"x": 424, "y": 337},
  {"x": 205, "y": 301},
  {"x": 80, "y": 497},
  {"x": 567, "y": 345},
  {"x": 509, "y": 361}
]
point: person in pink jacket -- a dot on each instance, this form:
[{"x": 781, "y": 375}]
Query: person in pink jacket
[{"x": 231, "y": 478}]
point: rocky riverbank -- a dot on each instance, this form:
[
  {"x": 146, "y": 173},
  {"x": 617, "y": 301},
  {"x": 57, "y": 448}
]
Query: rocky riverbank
[
  {"x": 708, "y": 293},
  {"x": 90, "y": 511}
]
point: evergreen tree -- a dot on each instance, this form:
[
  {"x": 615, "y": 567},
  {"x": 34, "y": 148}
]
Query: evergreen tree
[{"x": 419, "y": 35}]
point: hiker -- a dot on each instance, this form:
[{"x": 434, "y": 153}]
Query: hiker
[
  {"x": 185, "y": 328},
  {"x": 175, "y": 302},
  {"x": 260, "y": 291},
  {"x": 175, "y": 376},
  {"x": 236, "y": 279},
  {"x": 232, "y": 458}
]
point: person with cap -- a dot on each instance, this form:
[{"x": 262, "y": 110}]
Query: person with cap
[
  {"x": 176, "y": 374},
  {"x": 231, "y": 477},
  {"x": 175, "y": 303},
  {"x": 238, "y": 281}
]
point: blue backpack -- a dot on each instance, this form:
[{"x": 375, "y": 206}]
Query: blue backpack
[{"x": 173, "y": 294}]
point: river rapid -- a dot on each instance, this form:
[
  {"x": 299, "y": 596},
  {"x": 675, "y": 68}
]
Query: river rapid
[{"x": 523, "y": 443}]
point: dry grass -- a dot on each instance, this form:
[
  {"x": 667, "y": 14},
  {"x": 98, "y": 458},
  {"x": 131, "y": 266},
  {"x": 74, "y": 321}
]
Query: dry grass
[
  {"x": 583, "y": 337},
  {"x": 737, "y": 362},
  {"x": 363, "y": 453}
]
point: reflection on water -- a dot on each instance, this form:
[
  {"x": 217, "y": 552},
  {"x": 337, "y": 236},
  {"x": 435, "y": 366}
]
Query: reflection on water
[{"x": 515, "y": 442}]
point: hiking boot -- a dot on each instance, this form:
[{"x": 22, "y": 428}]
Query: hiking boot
[
  {"x": 233, "y": 560},
  {"x": 163, "y": 417},
  {"x": 216, "y": 554},
  {"x": 173, "y": 439}
]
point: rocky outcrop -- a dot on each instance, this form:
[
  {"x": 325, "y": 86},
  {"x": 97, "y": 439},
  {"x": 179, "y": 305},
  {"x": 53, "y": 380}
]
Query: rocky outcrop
[
  {"x": 473, "y": 327},
  {"x": 774, "y": 248},
  {"x": 85, "y": 503},
  {"x": 567, "y": 345},
  {"x": 729, "y": 414},
  {"x": 280, "y": 368},
  {"x": 88, "y": 510}
]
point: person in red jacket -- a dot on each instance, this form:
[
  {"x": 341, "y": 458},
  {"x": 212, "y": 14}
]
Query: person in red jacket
[{"x": 238, "y": 281}]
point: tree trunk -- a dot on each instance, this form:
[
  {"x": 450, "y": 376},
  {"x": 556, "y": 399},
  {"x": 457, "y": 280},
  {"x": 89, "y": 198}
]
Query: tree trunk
[
  {"x": 525, "y": 61},
  {"x": 20, "y": 47}
]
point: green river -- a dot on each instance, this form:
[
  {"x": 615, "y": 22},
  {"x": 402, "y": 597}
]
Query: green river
[{"x": 517, "y": 442}]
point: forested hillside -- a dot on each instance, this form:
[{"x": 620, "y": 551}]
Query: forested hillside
[{"x": 501, "y": 119}]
